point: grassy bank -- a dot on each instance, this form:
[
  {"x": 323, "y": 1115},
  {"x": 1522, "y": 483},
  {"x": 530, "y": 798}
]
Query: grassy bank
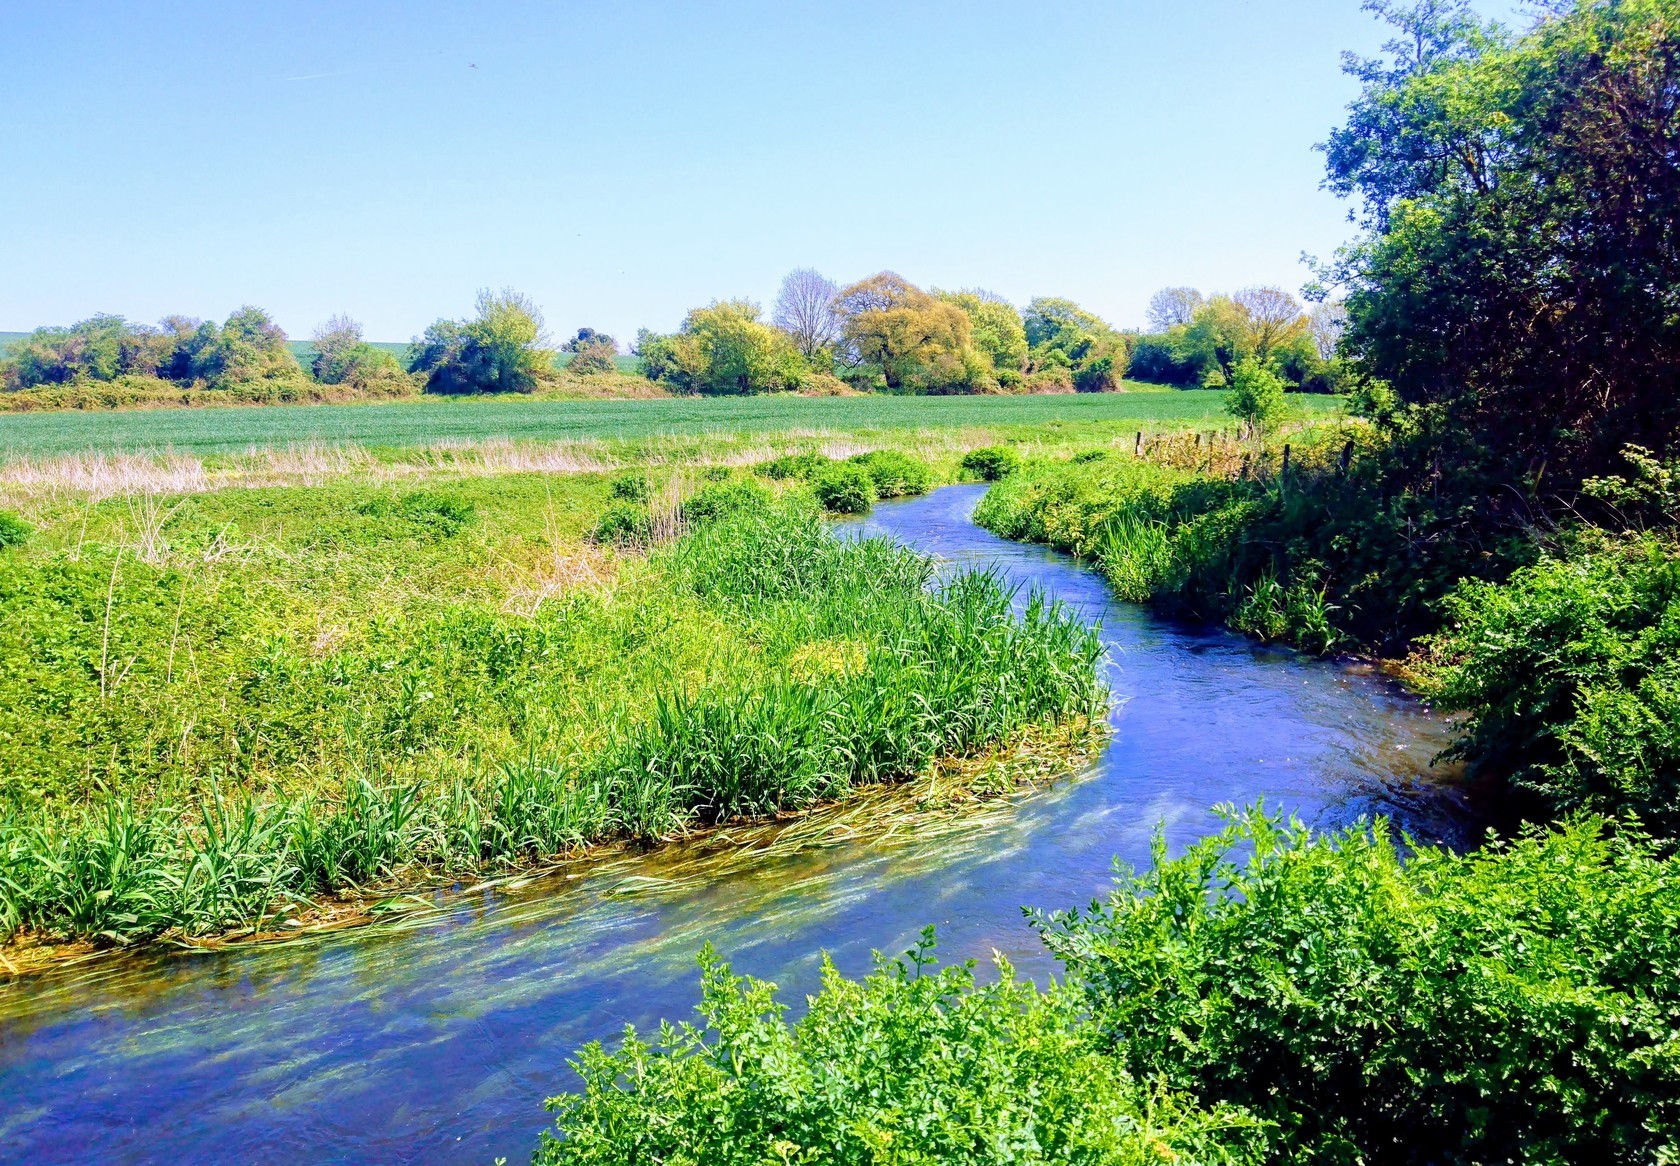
[
  {"x": 431, "y": 421},
  {"x": 219, "y": 709}
]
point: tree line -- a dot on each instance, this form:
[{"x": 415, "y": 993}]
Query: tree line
[{"x": 882, "y": 333}]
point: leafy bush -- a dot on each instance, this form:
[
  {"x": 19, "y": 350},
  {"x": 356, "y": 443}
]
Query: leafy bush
[
  {"x": 501, "y": 350},
  {"x": 804, "y": 466},
  {"x": 912, "y": 1065},
  {"x": 991, "y": 463},
  {"x": 1570, "y": 672},
  {"x": 592, "y": 353},
  {"x": 1333, "y": 556},
  {"x": 1256, "y": 397},
  {"x": 1515, "y": 1004},
  {"x": 622, "y": 524},
  {"x": 249, "y": 349},
  {"x": 343, "y": 357},
  {"x": 723, "y": 349},
  {"x": 845, "y": 488},
  {"x": 14, "y": 531},
  {"x": 726, "y": 499},
  {"x": 630, "y": 486},
  {"x": 895, "y": 474}
]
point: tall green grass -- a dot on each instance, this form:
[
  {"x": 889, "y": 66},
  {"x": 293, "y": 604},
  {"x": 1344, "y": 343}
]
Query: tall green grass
[
  {"x": 1323, "y": 557},
  {"x": 884, "y": 673}
]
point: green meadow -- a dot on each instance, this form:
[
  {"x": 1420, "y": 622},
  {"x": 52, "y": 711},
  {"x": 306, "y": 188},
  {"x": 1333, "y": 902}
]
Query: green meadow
[{"x": 428, "y": 422}]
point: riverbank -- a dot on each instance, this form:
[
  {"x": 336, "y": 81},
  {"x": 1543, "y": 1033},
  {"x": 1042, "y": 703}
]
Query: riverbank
[
  {"x": 225, "y": 713},
  {"x": 951, "y": 793}
]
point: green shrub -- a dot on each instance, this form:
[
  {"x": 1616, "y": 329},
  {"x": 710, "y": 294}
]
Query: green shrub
[
  {"x": 1570, "y": 672},
  {"x": 895, "y": 474},
  {"x": 845, "y": 489},
  {"x": 1257, "y": 397},
  {"x": 911, "y": 1065},
  {"x": 14, "y": 531},
  {"x": 502, "y": 349},
  {"x": 1515, "y": 1004},
  {"x": 1327, "y": 558},
  {"x": 725, "y": 499},
  {"x": 991, "y": 463},
  {"x": 623, "y": 524},
  {"x": 801, "y": 466},
  {"x": 630, "y": 486}
]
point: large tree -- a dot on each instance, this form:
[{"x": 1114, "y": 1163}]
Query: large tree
[
  {"x": 503, "y": 348},
  {"x": 1518, "y": 286},
  {"x": 723, "y": 348},
  {"x": 804, "y": 309},
  {"x": 1172, "y": 306},
  {"x": 920, "y": 343}
]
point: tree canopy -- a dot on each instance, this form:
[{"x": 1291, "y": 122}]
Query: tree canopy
[
  {"x": 1516, "y": 288},
  {"x": 917, "y": 342},
  {"x": 723, "y": 348},
  {"x": 502, "y": 349}
]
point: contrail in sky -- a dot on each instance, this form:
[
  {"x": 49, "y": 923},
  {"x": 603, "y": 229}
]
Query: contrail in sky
[{"x": 314, "y": 76}]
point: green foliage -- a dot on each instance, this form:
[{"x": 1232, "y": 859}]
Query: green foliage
[
  {"x": 991, "y": 463},
  {"x": 1517, "y": 1003},
  {"x": 802, "y": 466},
  {"x": 997, "y": 331},
  {"x": 724, "y": 349},
  {"x": 342, "y": 357},
  {"x": 914, "y": 1065},
  {"x": 894, "y": 473},
  {"x": 14, "y": 531},
  {"x": 248, "y": 350},
  {"x": 625, "y": 523},
  {"x": 1256, "y": 398},
  {"x": 1570, "y": 672},
  {"x": 189, "y": 744},
  {"x": 915, "y": 342},
  {"x": 591, "y": 352},
  {"x": 1062, "y": 334},
  {"x": 501, "y": 350},
  {"x": 1515, "y": 287},
  {"x": 845, "y": 488},
  {"x": 629, "y": 485},
  {"x": 1327, "y": 558},
  {"x": 727, "y": 498},
  {"x": 421, "y": 515}
]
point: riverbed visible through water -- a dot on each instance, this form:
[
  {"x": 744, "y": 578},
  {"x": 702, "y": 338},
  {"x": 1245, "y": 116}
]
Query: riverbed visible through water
[{"x": 436, "y": 1039}]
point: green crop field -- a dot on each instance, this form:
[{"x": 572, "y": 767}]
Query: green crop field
[{"x": 430, "y": 421}]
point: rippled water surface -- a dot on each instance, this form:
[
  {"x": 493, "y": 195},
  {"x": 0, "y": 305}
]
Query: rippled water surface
[{"x": 437, "y": 1040}]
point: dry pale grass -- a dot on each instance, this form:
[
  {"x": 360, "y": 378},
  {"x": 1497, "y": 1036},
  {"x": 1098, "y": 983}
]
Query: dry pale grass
[{"x": 100, "y": 476}]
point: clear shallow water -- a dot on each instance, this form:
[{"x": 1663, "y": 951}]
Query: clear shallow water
[{"x": 436, "y": 1040}]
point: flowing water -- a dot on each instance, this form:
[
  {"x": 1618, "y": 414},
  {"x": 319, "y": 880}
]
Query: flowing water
[{"x": 436, "y": 1039}]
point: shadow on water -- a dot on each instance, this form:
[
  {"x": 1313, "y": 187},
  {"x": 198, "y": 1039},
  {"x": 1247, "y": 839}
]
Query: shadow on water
[{"x": 436, "y": 1039}]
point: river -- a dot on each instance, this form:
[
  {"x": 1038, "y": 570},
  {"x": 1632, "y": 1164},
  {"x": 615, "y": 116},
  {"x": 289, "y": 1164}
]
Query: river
[{"x": 436, "y": 1039}]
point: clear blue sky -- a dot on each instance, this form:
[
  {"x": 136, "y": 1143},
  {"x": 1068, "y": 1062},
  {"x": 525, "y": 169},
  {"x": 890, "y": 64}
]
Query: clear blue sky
[{"x": 622, "y": 162}]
